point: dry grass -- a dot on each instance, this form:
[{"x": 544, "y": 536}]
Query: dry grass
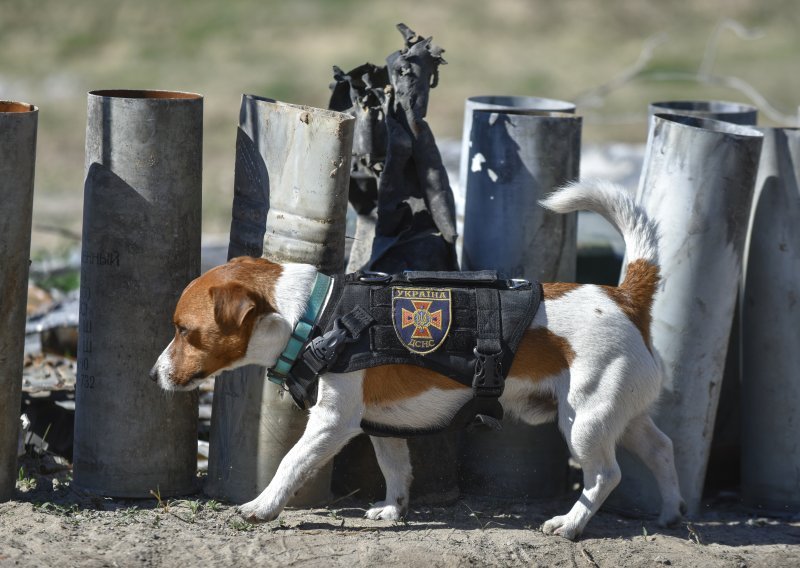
[{"x": 55, "y": 51}]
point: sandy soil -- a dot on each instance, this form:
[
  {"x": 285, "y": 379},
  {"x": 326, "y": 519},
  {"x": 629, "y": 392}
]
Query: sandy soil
[{"x": 49, "y": 523}]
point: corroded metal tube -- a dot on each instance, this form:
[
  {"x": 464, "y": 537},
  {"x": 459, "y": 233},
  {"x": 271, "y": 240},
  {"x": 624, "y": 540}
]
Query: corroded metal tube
[
  {"x": 516, "y": 159},
  {"x": 290, "y": 204},
  {"x": 697, "y": 184},
  {"x": 141, "y": 247},
  {"x": 499, "y": 103},
  {"x": 18, "y": 123},
  {"x": 725, "y": 451},
  {"x": 770, "y": 332}
]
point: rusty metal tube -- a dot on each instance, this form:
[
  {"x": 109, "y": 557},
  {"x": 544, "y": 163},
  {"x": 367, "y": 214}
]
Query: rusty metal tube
[
  {"x": 697, "y": 183},
  {"x": 770, "y": 310},
  {"x": 18, "y": 124},
  {"x": 290, "y": 203},
  {"x": 141, "y": 247},
  {"x": 516, "y": 159}
]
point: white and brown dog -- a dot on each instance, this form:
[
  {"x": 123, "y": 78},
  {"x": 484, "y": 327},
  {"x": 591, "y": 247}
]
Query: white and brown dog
[{"x": 588, "y": 348}]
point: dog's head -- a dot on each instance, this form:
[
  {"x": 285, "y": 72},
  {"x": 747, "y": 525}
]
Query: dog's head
[{"x": 216, "y": 319}]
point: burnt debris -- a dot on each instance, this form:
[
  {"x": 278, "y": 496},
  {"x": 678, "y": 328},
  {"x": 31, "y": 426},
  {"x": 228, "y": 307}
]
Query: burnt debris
[{"x": 397, "y": 168}]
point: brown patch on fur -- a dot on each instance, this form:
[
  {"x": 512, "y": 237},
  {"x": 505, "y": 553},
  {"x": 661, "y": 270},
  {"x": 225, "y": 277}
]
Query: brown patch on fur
[
  {"x": 541, "y": 354},
  {"x": 635, "y": 295},
  {"x": 391, "y": 383},
  {"x": 554, "y": 290},
  {"x": 216, "y": 314}
]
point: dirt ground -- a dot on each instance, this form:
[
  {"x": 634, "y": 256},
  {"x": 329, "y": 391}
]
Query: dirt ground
[{"x": 50, "y": 523}]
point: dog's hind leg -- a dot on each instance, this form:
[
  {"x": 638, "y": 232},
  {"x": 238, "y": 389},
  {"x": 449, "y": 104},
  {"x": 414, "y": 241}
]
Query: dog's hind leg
[
  {"x": 593, "y": 449},
  {"x": 643, "y": 438},
  {"x": 395, "y": 464}
]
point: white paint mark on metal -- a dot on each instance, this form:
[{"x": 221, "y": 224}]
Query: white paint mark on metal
[{"x": 477, "y": 162}]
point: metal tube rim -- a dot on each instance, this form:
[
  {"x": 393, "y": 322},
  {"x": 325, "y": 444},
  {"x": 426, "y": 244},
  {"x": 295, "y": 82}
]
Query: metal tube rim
[
  {"x": 704, "y": 106},
  {"x": 767, "y": 129},
  {"x": 710, "y": 125},
  {"x": 521, "y": 102},
  {"x": 16, "y": 107},
  {"x": 534, "y": 114},
  {"x": 146, "y": 94},
  {"x": 340, "y": 116}
]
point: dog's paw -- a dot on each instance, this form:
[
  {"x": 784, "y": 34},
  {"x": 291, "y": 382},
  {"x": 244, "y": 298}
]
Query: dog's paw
[
  {"x": 385, "y": 511},
  {"x": 672, "y": 518},
  {"x": 255, "y": 512},
  {"x": 561, "y": 526}
]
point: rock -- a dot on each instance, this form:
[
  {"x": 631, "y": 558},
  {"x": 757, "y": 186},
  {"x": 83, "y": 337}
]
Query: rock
[{"x": 39, "y": 300}]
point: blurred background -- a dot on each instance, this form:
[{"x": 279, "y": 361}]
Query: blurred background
[{"x": 610, "y": 57}]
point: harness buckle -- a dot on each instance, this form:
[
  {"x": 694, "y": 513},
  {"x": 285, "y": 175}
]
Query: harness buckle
[
  {"x": 483, "y": 420},
  {"x": 488, "y": 379},
  {"x": 374, "y": 276},
  {"x": 517, "y": 283},
  {"x": 324, "y": 350}
]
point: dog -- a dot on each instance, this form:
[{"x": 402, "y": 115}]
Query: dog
[{"x": 587, "y": 361}]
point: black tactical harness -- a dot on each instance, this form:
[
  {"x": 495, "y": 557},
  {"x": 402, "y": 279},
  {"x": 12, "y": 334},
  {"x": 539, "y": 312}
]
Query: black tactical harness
[{"x": 464, "y": 325}]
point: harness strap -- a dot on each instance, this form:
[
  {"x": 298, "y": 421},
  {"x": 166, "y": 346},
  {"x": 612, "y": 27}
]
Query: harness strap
[
  {"x": 469, "y": 416},
  {"x": 321, "y": 352},
  {"x": 356, "y": 321},
  {"x": 489, "y": 377}
]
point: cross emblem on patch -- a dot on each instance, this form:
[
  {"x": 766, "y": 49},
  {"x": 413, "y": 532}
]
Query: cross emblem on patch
[{"x": 421, "y": 317}]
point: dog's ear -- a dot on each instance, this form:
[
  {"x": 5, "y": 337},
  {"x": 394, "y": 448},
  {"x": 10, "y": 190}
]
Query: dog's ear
[{"x": 232, "y": 304}]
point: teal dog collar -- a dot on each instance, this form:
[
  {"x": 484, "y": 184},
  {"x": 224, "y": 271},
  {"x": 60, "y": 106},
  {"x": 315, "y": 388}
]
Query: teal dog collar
[{"x": 302, "y": 331}]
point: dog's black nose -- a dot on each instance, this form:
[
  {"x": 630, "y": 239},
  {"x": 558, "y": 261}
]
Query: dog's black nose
[{"x": 154, "y": 374}]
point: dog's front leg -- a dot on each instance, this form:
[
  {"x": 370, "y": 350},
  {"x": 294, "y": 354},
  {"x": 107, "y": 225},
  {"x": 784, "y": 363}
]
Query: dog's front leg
[
  {"x": 395, "y": 464},
  {"x": 324, "y": 436}
]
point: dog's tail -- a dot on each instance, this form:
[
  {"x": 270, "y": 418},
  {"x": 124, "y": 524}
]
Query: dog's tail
[
  {"x": 639, "y": 231},
  {"x": 615, "y": 204}
]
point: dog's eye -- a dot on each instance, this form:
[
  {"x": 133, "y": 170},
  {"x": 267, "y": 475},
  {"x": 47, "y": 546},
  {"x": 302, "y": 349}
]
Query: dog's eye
[{"x": 181, "y": 330}]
